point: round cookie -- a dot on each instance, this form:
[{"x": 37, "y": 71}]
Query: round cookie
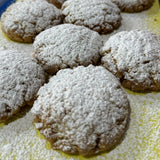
[
  {"x": 134, "y": 56},
  {"x": 23, "y": 20},
  {"x": 133, "y": 5},
  {"x": 57, "y": 3},
  {"x": 67, "y": 46},
  {"x": 102, "y": 16},
  {"x": 82, "y": 110},
  {"x": 20, "y": 79}
]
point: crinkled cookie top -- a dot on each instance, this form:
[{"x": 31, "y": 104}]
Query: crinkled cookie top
[
  {"x": 134, "y": 56},
  {"x": 99, "y": 15},
  {"x": 82, "y": 110},
  {"x": 23, "y": 20},
  {"x": 133, "y": 5},
  {"x": 67, "y": 45},
  {"x": 20, "y": 79}
]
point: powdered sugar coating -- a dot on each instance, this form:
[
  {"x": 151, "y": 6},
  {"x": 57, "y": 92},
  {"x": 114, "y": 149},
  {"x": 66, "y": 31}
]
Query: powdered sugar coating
[
  {"x": 67, "y": 45},
  {"x": 133, "y": 5},
  {"x": 20, "y": 79},
  {"x": 82, "y": 110},
  {"x": 23, "y": 20},
  {"x": 134, "y": 56},
  {"x": 102, "y": 16},
  {"x": 57, "y": 3}
]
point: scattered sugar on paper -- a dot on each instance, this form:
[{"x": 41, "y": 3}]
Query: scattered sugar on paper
[{"x": 19, "y": 139}]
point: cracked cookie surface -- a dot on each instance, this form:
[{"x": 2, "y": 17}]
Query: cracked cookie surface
[
  {"x": 67, "y": 46},
  {"x": 82, "y": 110},
  {"x": 102, "y": 16},
  {"x": 20, "y": 79},
  {"x": 134, "y": 57},
  {"x": 133, "y": 5},
  {"x": 23, "y": 20}
]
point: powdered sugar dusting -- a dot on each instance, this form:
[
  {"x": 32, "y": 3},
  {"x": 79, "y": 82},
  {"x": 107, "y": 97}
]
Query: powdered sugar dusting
[
  {"x": 19, "y": 139},
  {"x": 67, "y": 45},
  {"x": 21, "y": 77},
  {"x": 102, "y": 16},
  {"x": 85, "y": 118},
  {"x": 23, "y": 20},
  {"x": 134, "y": 57},
  {"x": 16, "y": 144},
  {"x": 141, "y": 142}
]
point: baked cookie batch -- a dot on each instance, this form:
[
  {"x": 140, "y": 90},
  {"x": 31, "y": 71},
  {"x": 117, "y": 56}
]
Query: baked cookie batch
[
  {"x": 20, "y": 79},
  {"x": 82, "y": 108}
]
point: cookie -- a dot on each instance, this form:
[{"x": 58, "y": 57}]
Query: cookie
[
  {"x": 102, "y": 16},
  {"x": 20, "y": 79},
  {"x": 67, "y": 46},
  {"x": 133, "y": 5},
  {"x": 134, "y": 57},
  {"x": 57, "y": 3},
  {"x": 82, "y": 110},
  {"x": 23, "y": 20}
]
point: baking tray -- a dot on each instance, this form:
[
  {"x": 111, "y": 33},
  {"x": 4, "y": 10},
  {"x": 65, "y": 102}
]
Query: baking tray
[{"x": 19, "y": 140}]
